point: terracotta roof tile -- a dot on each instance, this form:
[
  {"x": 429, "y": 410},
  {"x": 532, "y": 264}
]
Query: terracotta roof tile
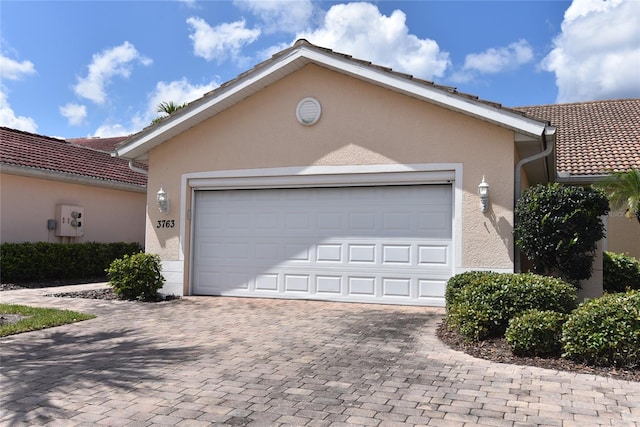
[
  {"x": 100, "y": 144},
  {"x": 594, "y": 137},
  {"x": 30, "y": 150}
]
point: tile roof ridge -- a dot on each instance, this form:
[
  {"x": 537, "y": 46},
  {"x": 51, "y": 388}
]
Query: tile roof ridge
[
  {"x": 84, "y": 147},
  {"x": 96, "y": 138}
]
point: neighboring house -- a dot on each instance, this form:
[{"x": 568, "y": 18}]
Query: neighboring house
[
  {"x": 595, "y": 138},
  {"x": 45, "y": 180},
  {"x": 315, "y": 175},
  {"x": 106, "y": 145}
]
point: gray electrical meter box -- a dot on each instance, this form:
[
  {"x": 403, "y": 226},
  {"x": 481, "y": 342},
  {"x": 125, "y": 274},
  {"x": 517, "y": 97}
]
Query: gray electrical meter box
[{"x": 70, "y": 221}]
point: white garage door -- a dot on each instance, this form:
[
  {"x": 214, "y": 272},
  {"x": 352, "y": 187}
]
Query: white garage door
[{"x": 383, "y": 244}]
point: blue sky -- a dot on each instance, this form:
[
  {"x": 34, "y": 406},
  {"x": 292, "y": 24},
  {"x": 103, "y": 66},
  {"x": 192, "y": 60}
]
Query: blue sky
[{"x": 93, "y": 68}]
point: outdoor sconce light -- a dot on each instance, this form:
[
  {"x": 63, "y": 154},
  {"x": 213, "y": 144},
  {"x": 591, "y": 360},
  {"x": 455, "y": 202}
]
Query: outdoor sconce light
[
  {"x": 163, "y": 201},
  {"x": 483, "y": 192}
]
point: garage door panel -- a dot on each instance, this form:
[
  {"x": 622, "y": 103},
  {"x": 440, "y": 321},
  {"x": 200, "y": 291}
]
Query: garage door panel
[
  {"x": 299, "y": 252},
  {"x": 329, "y": 253},
  {"x": 370, "y": 244},
  {"x": 396, "y": 287},
  {"x": 329, "y": 285},
  {"x": 360, "y": 286},
  {"x": 394, "y": 254},
  {"x": 431, "y": 288},
  {"x": 266, "y": 252},
  {"x": 296, "y": 283},
  {"x": 267, "y": 282},
  {"x": 362, "y": 254},
  {"x": 433, "y": 254}
]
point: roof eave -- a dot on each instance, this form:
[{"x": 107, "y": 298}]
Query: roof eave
[
  {"x": 71, "y": 178},
  {"x": 579, "y": 179},
  {"x": 137, "y": 146}
]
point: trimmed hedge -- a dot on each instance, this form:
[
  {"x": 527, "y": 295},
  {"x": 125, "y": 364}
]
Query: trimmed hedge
[
  {"x": 459, "y": 281},
  {"x": 605, "y": 331},
  {"x": 42, "y": 261},
  {"x": 136, "y": 277},
  {"x": 536, "y": 333},
  {"x": 483, "y": 308},
  {"x": 620, "y": 272}
]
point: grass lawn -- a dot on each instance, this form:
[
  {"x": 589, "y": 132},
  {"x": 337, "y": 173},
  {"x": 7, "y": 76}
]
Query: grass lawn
[{"x": 21, "y": 318}]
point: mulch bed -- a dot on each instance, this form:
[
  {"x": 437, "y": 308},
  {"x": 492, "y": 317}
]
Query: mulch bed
[
  {"x": 103, "y": 294},
  {"x": 497, "y": 350}
]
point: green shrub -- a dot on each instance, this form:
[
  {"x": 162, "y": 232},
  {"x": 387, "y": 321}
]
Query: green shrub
[
  {"x": 459, "y": 281},
  {"x": 620, "y": 272},
  {"x": 558, "y": 228},
  {"x": 136, "y": 277},
  {"x": 483, "y": 309},
  {"x": 605, "y": 331},
  {"x": 536, "y": 333},
  {"x": 42, "y": 261}
]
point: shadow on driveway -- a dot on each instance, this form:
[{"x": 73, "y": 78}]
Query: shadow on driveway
[{"x": 60, "y": 368}]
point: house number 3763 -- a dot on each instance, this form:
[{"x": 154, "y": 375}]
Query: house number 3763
[{"x": 166, "y": 223}]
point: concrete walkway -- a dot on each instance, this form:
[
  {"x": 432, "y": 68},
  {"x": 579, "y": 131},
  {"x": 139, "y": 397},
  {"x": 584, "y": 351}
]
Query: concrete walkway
[{"x": 203, "y": 361}]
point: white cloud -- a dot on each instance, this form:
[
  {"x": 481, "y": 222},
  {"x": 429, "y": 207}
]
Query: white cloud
[
  {"x": 222, "y": 41},
  {"x": 177, "y": 91},
  {"x": 495, "y": 60},
  {"x": 105, "y": 65},
  {"x": 286, "y": 16},
  {"x": 189, "y": 3},
  {"x": 9, "y": 119},
  {"x": 11, "y": 69},
  {"x": 597, "y": 54},
  {"x": 359, "y": 29},
  {"x": 75, "y": 113},
  {"x": 111, "y": 130}
]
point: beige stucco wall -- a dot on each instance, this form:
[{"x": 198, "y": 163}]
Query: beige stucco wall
[
  {"x": 623, "y": 235},
  {"x": 26, "y": 203},
  {"x": 361, "y": 124}
]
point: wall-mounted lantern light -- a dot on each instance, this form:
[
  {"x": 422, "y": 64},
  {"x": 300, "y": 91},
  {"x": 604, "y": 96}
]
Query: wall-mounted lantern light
[
  {"x": 163, "y": 201},
  {"x": 483, "y": 192}
]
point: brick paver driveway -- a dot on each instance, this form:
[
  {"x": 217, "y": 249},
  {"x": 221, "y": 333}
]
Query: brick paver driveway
[{"x": 228, "y": 361}]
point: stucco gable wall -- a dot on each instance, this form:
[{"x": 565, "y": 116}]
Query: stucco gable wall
[
  {"x": 26, "y": 203},
  {"x": 361, "y": 124}
]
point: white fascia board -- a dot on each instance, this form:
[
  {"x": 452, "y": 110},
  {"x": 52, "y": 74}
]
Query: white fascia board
[
  {"x": 70, "y": 178},
  {"x": 279, "y": 68}
]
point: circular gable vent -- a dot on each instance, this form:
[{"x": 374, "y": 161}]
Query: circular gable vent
[{"x": 308, "y": 111}]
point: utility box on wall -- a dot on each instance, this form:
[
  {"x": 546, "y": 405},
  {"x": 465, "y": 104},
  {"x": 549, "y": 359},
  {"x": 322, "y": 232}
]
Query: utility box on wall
[{"x": 70, "y": 220}]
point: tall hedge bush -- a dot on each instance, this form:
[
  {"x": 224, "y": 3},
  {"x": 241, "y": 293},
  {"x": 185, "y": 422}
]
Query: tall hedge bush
[
  {"x": 42, "y": 261},
  {"x": 558, "y": 228}
]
